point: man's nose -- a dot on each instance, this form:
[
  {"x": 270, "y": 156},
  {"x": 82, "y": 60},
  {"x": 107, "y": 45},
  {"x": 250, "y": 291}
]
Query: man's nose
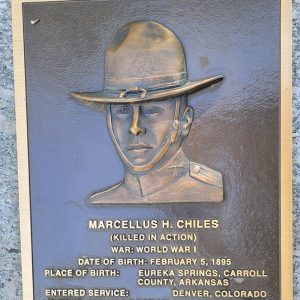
[{"x": 135, "y": 128}]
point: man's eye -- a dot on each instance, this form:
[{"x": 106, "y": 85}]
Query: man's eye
[
  {"x": 152, "y": 110},
  {"x": 122, "y": 110}
]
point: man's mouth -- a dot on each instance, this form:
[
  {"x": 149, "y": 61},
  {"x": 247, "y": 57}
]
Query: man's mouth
[{"x": 138, "y": 147}]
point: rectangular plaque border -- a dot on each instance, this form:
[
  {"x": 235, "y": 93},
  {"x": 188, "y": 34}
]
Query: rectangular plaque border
[
  {"x": 286, "y": 236},
  {"x": 286, "y": 146}
]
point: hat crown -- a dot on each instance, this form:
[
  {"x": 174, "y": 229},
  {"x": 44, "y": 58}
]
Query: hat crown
[{"x": 145, "y": 54}]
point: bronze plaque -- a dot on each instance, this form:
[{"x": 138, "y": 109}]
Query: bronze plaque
[{"x": 154, "y": 164}]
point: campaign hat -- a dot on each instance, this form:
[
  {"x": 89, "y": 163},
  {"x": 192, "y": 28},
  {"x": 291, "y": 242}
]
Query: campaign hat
[{"x": 145, "y": 61}]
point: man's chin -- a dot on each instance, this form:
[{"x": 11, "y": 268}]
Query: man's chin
[{"x": 139, "y": 157}]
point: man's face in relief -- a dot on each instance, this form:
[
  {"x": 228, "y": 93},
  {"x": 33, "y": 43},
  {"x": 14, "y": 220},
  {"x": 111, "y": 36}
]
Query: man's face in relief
[{"x": 143, "y": 130}]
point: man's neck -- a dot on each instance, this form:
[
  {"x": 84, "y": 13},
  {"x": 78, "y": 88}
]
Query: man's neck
[{"x": 145, "y": 184}]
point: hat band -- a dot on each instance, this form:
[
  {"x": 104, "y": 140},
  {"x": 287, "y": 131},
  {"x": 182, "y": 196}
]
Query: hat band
[
  {"x": 143, "y": 91},
  {"x": 115, "y": 82}
]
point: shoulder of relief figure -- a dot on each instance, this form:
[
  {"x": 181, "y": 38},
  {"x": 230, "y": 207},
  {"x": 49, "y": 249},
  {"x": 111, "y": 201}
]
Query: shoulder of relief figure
[{"x": 206, "y": 174}]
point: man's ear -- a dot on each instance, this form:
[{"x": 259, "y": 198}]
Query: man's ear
[{"x": 187, "y": 120}]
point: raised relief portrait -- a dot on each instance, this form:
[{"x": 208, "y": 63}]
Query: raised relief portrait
[{"x": 145, "y": 99}]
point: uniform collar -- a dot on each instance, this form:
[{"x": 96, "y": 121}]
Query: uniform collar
[{"x": 169, "y": 173}]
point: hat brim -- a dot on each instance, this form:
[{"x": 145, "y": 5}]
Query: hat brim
[{"x": 187, "y": 88}]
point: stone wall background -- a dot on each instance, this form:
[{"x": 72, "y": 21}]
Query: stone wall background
[
  {"x": 10, "y": 269},
  {"x": 296, "y": 144}
]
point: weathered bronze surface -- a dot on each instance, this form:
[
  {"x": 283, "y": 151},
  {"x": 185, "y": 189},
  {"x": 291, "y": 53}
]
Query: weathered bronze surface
[
  {"x": 146, "y": 62},
  {"x": 235, "y": 131}
]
